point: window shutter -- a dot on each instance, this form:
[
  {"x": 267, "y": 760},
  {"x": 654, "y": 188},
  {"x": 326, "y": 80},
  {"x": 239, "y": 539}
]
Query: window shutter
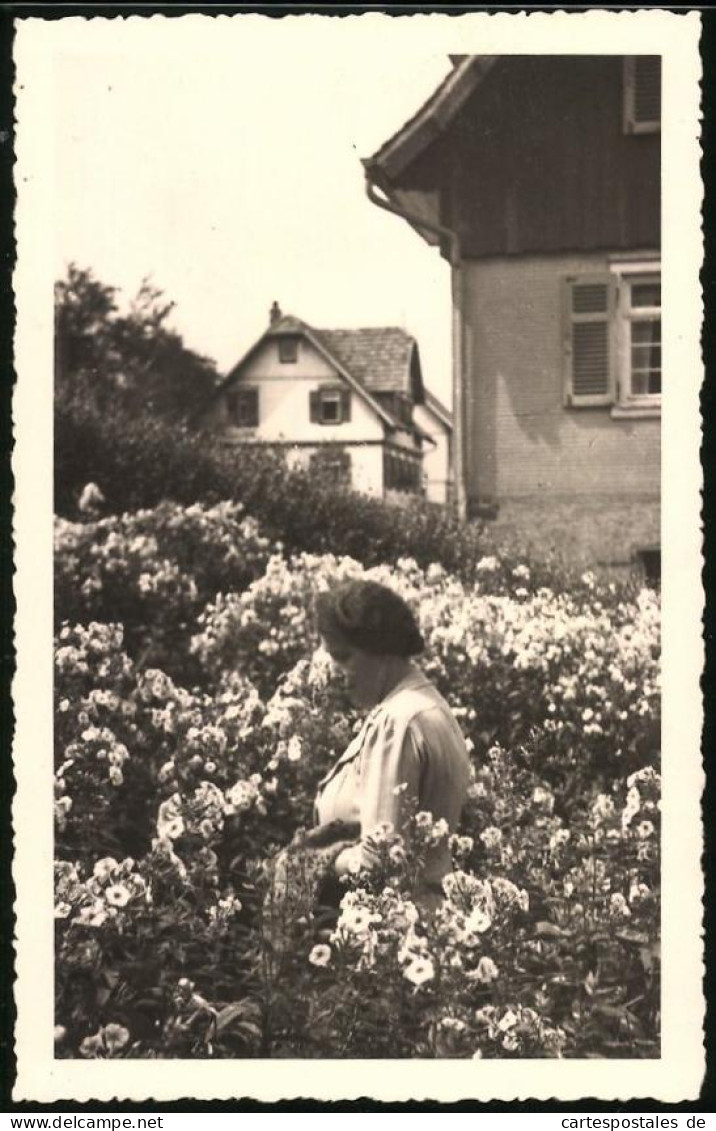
[
  {"x": 345, "y": 405},
  {"x": 642, "y": 94},
  {"x": 315, "y": 406},
  {"x": 230, "y": 401},
  {"x": 588, "y": 340},
  {"x": 252, "y": 408}
]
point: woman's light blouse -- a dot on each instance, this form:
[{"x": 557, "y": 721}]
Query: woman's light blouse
[{"x": 409, "y": 755}]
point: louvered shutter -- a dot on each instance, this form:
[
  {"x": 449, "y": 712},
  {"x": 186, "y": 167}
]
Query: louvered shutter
[
  {"x": 589, "y": 303},
  {"x": 345, "y": 405},
  {"x": 642, "y": 94},
  {"x": 252, "y": 408},
  {"x": 314, "y": 400}
]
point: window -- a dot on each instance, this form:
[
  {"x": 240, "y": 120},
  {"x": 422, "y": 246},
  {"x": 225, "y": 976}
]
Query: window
[
  {"x": 243, "y": 407},
  {"x": 613, "y": 338},
  {"x": 650, "y": 561},
  {"x": 639, "y": 334},
  {"x": 330, "y": 404},
  {"x": 401, "y": 472},
  {"x": 642, "y": 94},
  {"x": 287, "y": 348},
  {"x": 332, "y": 463}
]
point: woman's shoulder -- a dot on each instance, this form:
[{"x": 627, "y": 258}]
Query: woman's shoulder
[{"x": 409, "y": 700}]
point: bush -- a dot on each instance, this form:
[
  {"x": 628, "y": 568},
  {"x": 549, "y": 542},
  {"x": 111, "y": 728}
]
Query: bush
[
  {"x": 154, "y": 571},
  {"x": 138, "y": 461},
  {"x": 169, "y": 800}
]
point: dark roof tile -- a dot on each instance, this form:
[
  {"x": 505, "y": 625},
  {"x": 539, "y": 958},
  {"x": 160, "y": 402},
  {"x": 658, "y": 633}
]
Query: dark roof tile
[{"x": 379, "y": 357}]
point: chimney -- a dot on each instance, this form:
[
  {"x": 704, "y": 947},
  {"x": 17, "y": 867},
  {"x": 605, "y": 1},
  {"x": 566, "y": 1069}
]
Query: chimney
[{"x": 275, "y": 314}]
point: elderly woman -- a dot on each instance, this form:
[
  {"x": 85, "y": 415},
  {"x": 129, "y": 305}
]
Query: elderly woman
[{"x": 409, "y": 754}]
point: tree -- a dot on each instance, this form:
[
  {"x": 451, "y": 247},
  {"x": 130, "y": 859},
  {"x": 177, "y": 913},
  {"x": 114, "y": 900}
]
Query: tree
[{"x": 130, "y": 361}]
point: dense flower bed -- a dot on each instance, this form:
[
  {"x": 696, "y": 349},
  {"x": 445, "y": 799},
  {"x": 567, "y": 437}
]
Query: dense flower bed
[{"x": 195, "y": 713}]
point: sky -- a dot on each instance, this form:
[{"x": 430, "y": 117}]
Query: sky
[{"x": 221, "y": 157}]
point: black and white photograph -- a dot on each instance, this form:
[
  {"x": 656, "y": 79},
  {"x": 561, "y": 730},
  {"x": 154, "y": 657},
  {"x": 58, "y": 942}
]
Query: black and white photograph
[{"x": 350, "y": 512}]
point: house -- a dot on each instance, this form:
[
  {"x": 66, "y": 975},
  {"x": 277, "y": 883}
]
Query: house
[
  {"x": 436, "y": 421},
  {"x": 538, "y": 179},
  {"x": 338, "y": 401}
]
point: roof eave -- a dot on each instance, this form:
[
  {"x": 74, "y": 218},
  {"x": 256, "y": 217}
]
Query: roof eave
[{"x": 416, "y": 135}]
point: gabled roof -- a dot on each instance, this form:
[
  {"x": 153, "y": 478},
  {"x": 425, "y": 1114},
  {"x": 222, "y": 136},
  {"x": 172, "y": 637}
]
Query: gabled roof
[
  {"x": 383, "y": 358},
  {"x": 372, "y": 360},
  {"x": 433, "y": 117}
]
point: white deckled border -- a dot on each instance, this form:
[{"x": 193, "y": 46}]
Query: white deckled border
[{"x": 677, "y": 1075}]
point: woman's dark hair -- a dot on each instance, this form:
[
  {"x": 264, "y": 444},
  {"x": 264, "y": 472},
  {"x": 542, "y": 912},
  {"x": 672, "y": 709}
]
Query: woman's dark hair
[{"x": 369, "y": 616}]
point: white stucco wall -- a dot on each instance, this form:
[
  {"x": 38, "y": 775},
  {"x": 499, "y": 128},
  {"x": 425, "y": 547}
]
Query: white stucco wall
[{"x": 436, "y": 460}]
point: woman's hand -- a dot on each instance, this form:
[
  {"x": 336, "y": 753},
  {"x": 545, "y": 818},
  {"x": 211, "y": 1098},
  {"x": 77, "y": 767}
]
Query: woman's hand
[{"x": 330, "y": 834}]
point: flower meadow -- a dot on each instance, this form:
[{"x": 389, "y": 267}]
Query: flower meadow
[{"x": 195, "y": 713}]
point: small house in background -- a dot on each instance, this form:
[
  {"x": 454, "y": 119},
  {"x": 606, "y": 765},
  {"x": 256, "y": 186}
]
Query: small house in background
[
  {"x": 538, "y": 178},
  {"x": 337, "y": 401},
  {"x": 436, "y": 421}
]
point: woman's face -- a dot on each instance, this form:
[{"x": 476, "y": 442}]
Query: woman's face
[{"x": 363, "y": 671}]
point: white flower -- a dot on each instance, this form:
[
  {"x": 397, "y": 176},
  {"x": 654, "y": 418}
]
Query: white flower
[
  {"x": 603, "y": 807},
  {"x": 486, "y": 970},
  {"x": 117, "y": 895},
  {"x": 420, "y": 970},
  {"x": 491, "y": 837},
  {"x": 644, "y": 830},
  {"x": 90, "y": 498},
  {"x": 507, "y": 1021},
  {"x": 92, "y": 915},
  {"x": 294, "y": 749},
  {"x": 439, "y": 830},
  {"x": 104, "y": 867},
  {"x": 477, "y": 922},
  {"x": 320, "y": 955},
  {"x": 461, "y": 845},
  {"x": 487, "y": 565},
  {"x": 544, "y": 798},
  {"x": 453, "y": 1023},
  {"x": 358, "y": 920},
  {"x": 172, "y": 829},
  {"x": 560, "y": 837},
  {"x": 115, "y": 1037},
  {"x": 618, "y": 906},
  {"x": 240, "y": 796}
]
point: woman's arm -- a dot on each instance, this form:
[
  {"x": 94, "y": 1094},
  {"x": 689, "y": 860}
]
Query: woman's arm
[{"x": 390, "y": 768}]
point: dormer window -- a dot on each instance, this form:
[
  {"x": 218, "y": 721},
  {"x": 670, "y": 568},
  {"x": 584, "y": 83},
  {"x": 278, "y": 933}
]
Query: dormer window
[
  {"x": 642, "y": 94},
  {"x": 288, "y": 348}
]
